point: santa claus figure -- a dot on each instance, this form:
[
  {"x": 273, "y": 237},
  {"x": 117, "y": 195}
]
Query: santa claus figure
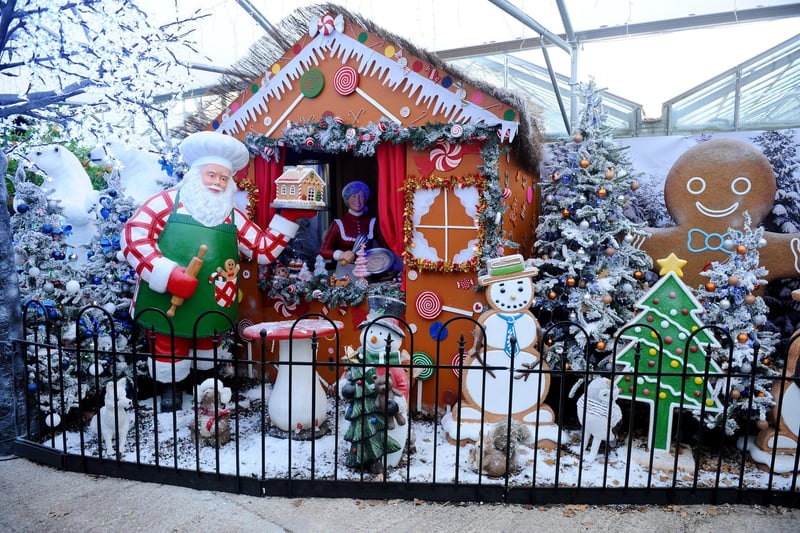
[{"x": 189, "y": 233}]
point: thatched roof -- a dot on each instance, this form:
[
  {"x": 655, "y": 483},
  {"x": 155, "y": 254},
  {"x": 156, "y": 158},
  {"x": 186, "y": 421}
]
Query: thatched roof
[{"x": 281, "y": 37}]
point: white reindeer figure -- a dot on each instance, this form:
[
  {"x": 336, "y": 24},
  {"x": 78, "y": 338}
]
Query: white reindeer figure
[{"x": 598, "y": 417}]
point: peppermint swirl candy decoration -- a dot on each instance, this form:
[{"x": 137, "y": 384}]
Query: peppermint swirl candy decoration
[
  {"x": 457, "y": 130},
  {"x": 424, "y": 362},
  {"x": 345, "y": 80},
  {"x": 325, "y": 26},
  {"x": 446, "y": 156}
]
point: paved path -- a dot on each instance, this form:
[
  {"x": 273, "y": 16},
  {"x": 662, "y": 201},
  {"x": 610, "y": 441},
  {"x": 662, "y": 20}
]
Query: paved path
[{"x": 36, "y": 498}]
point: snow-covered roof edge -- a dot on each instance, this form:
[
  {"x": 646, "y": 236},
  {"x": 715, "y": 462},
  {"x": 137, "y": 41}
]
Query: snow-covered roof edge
[{"x": 527, "y": 146}]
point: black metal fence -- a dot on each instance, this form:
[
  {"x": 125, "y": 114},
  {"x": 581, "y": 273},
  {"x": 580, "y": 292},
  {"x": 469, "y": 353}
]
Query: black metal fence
[{"x": 240, "y": 447}]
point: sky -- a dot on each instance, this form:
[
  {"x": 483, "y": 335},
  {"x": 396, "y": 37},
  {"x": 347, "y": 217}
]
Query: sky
[{"x": 646, "y": 70}]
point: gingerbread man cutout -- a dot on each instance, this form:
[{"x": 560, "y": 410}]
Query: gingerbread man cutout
[{"x": 707, "y": 191}]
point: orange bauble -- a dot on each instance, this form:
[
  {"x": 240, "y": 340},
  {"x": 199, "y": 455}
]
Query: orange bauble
[
  {"x": 742, "y": 337},
  {"x": 602, "y": 193},
  {"x": 565, "y": 212},
  {"x": 710, "y": 287},
  {"x": 570, "y": 282},
  {"x": 578, "y": 138},
  {"x": 607, "y": 298},
  {"x": 552, "y": 295},
  {"x": 750, "y": 299},
  {"x": 733, "y": 281},
  {"x": 638, "y": 274},
  {"x": 601, "y": 345},
  {"x": 584, "y": 163},
  {"x": 735, "y": 394},
  {"x": 741, "y": 249}
]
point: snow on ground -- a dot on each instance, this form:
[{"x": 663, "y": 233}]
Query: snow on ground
[{"x": 260, "y": 454}]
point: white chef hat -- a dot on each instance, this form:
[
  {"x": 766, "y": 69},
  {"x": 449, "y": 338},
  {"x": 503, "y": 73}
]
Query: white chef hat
[{"x": 210, "y": 147}]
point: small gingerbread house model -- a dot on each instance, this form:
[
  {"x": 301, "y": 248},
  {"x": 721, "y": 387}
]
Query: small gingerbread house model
[{"x": 300, "y": 186}]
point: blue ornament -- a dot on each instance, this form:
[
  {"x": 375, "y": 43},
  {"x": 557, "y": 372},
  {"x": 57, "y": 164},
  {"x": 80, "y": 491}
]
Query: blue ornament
[
  {"x": 90, "y": 254},
  {"x": 123, "y": 218},
  {"x": 438, "y": 331},
  {"x": 104, "y": 212},
  {"x": 373, "y": 420},
  {"x": 65, "y": 363},
  {"x": 96, "y": 280},
  {"x": 32, "y": 387},
  {"x": 67, "y": 228},
  {"x": 59, "y": 255},
  {"x": 112, "y": 193},
  {"x": 22, "y": 208},
  {"x": 47, "y": 229}
]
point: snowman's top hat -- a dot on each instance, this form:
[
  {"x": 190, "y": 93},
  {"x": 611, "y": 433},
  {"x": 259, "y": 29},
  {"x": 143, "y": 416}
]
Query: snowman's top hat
[
  {"x": 507, "y": 267},
  {"x": 385, "y": 305}
]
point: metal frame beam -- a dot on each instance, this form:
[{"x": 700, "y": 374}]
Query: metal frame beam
[{"x": 629, "y": 30}]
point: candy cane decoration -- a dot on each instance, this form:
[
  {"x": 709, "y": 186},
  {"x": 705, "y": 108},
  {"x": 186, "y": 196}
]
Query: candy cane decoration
[{"x": 425, "y": 362}]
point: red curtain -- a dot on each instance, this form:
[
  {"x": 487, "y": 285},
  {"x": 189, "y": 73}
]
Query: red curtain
[
  {"x": 265, "y": 173},
  {"x": 391, "y": 201}
]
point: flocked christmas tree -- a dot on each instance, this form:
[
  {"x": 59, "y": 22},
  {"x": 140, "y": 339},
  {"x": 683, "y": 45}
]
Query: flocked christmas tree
[
  {"x": 62, "y": 280},
  {"x": 781, "y": 149},
  {"x": 730, "y": 303},
  {"x": 591, "y": 272},
  {"x": 659, "y": 368},
  {"x": 366, "y": 433}
]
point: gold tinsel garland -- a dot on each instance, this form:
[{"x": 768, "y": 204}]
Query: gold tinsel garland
[{"x": 412, "y": 184}]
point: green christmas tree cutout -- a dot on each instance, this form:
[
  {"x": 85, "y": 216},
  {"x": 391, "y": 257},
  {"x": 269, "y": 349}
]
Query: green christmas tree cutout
[{"x": 671, "y": 309}]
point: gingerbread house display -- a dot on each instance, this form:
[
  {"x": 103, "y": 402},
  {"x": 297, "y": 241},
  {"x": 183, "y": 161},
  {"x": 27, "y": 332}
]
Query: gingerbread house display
[
  {"x": 452, "y": 164},
  {"x": 300, "y": 187}
]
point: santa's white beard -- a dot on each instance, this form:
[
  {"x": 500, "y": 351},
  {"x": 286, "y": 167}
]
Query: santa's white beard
[{"x": 207, "y": 207}]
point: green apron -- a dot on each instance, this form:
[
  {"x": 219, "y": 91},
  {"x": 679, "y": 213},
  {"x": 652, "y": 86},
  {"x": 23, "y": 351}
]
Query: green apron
[{"x": 180, "y": 241}]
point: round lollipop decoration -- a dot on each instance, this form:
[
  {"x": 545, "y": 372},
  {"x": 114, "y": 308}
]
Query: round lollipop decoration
[
  {"x": 345, "y": 81},
  {"x": 425, "y": 364},
  {"x": 457, "y": 358},
  {"x": 244, "y": 324},
  {"x": 312, "y": 82},
  {"x": 429, "y": 305}
]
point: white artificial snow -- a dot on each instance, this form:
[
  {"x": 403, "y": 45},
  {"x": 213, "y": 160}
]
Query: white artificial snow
[{"x": 272, "y": 457}]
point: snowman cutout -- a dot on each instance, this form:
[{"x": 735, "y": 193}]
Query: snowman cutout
[
  {"x": 390, "y": 393},
  {"x": 497, "y": 368},
  {"x": 707, "y": 191}
]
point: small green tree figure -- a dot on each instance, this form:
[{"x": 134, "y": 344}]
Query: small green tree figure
[
  {"x": 671, "y": 309},
  {"x": 366, "y": 433}
]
